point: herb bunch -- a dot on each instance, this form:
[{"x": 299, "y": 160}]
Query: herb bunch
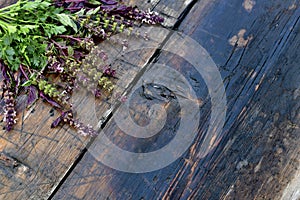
[{"x": 43, "y": 37}]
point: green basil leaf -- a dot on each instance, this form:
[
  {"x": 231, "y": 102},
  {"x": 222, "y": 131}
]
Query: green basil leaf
[
  {"x": 70, "y": 51},
  {"x": 93, "y": 11},
  {"x": 67, "y": 21},
  {"x": 27, "y": 83},
  {"x": 10, "y": 51}
]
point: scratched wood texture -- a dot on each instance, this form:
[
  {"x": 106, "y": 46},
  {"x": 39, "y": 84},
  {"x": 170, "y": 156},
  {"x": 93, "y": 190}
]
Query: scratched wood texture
[
  {"x": 35, "y": 158},
  {"x": 255, "y": 46}
]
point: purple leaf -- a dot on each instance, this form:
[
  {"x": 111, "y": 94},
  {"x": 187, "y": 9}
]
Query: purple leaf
[
  {"x": 49, "y": 100},
  {"x": 32, "y": 95},
  {"x": 109, "y": 2},
  {"x": 59, "y": 119},
  {"x": 56, "y": 122},
  {"x": 78, "y": 55}
]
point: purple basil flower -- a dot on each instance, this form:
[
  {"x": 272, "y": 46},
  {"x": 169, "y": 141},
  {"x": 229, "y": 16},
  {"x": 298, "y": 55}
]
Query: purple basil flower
[
  {"x": 56, "y": 67},
  {"x": 71, "y": 5},
  {"x": 109, "y": 72},
  {"x": 97, "y": 93},
  {"x": 9, "y": 107},
  {"x": 67, "y": 117},
  {"x": 103, "y": 56},
  {"x": 149, "y": 17}
]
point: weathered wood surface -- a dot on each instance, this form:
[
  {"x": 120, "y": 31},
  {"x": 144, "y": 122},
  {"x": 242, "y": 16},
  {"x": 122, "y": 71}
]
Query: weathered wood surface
[
  {"x": 35, "y": 158},
  {"x": 255, "y": 46}
]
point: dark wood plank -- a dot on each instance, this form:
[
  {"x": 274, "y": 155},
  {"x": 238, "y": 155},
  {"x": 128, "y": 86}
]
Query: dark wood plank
[
  {"x": 255, "y": 49},
  {"x": 258, "y": 157}
]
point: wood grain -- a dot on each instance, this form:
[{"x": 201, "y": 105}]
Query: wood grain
[
  {"x": 255, "y": 48},
  {"x": 256, "y": 52},
  {"x": 43, "y": 155}
]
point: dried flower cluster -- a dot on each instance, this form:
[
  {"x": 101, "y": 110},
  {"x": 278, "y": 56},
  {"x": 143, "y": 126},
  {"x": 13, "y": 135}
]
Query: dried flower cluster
[
  {"x": 56, "y": 39},
  {"x": 9, "y": 108}
]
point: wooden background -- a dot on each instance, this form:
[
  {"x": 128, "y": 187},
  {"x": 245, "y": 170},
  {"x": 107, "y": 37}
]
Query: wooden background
[{"x": 255, "y": 45}]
